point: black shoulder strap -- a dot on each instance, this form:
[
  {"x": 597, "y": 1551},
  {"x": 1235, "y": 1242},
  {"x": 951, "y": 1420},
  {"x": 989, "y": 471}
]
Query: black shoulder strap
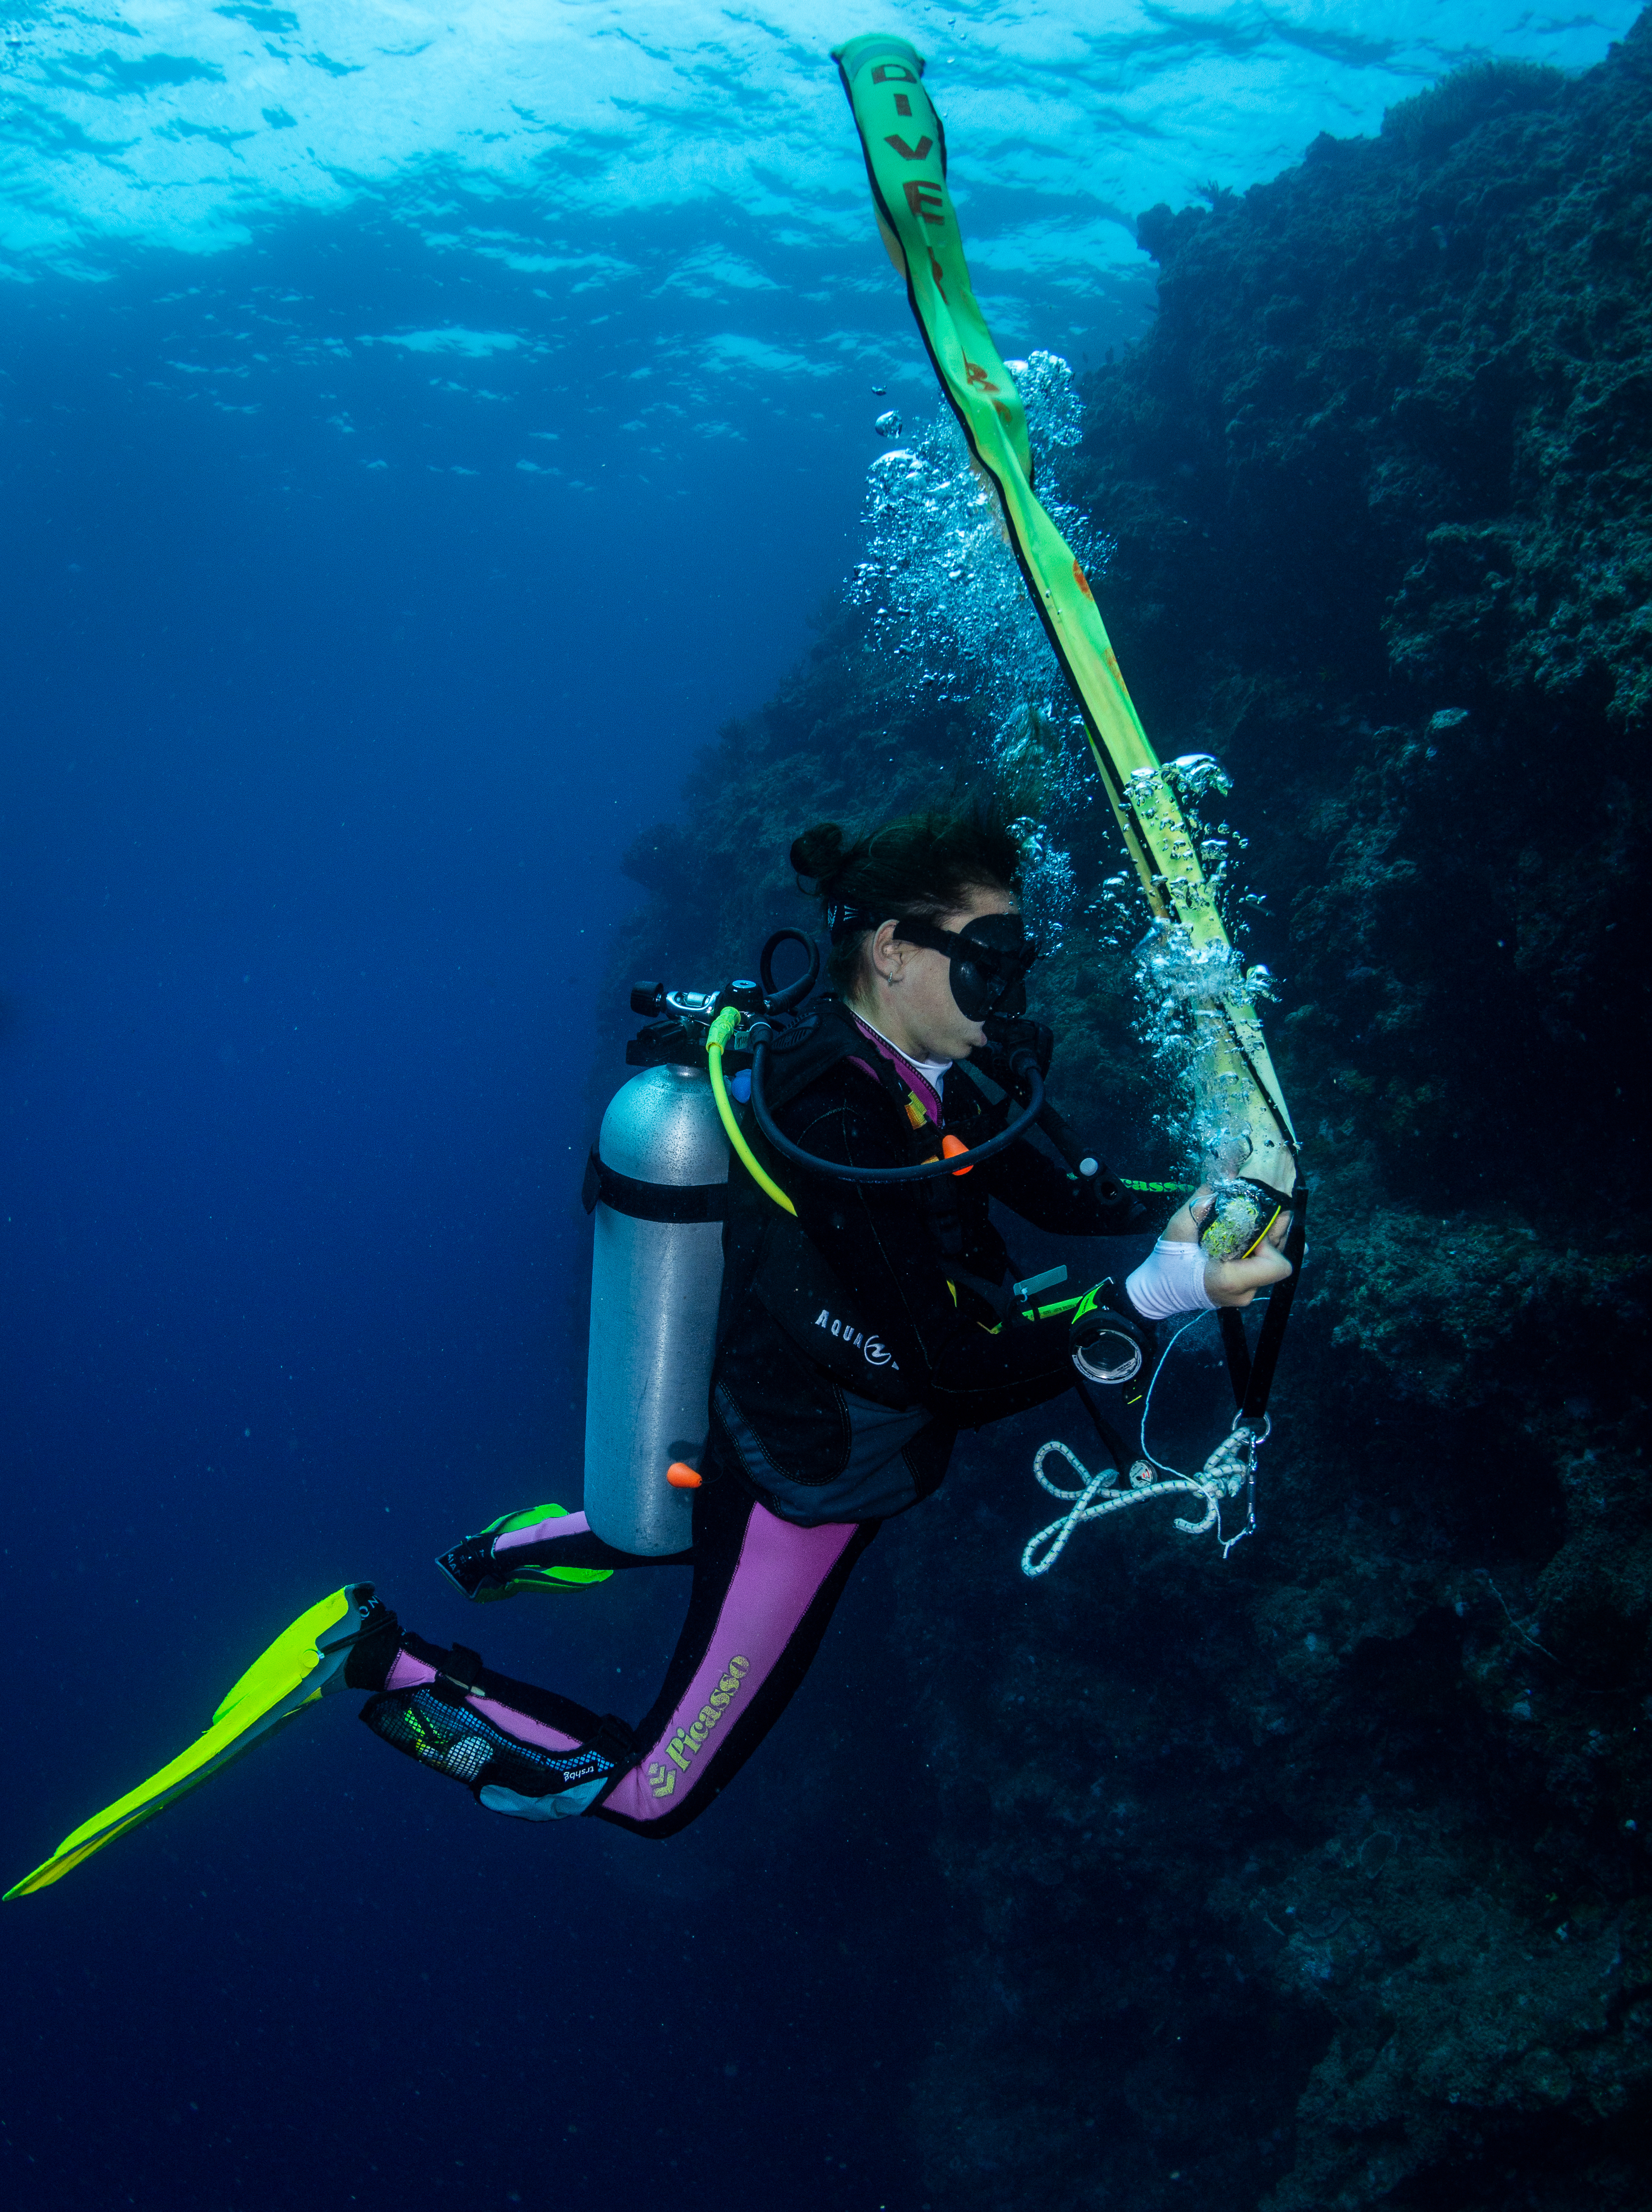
[{"x": 801, "y": 1053}]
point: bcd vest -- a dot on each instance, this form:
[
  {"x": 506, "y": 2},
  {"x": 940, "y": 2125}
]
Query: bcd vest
[{"x": 769, "y": 1252}]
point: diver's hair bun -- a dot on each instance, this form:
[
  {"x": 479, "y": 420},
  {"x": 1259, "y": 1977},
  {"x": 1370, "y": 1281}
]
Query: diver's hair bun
[{"x": 820, "y": 851}]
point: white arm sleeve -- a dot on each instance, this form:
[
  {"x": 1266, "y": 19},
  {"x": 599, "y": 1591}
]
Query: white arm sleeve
[{"x": 1169, "y": 1280}]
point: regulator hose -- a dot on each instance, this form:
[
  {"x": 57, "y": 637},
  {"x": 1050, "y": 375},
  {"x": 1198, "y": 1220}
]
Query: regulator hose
[
  {"x": 1023, "y": 1063},
  {"x": 721, "y": 1030}
]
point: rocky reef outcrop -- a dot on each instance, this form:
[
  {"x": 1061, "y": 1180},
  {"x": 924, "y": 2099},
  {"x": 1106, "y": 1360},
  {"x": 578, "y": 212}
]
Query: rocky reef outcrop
[{"x": 1320, "y": 1877}]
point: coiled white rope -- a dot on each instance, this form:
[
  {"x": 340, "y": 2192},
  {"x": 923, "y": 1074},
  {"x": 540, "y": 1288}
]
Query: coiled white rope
[{"x": 1225, "y": 1474}]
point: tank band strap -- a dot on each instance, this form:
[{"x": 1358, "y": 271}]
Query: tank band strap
[{"x": 651, "y": 1201}]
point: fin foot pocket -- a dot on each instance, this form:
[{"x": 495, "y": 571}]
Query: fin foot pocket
[
  {"x": 566, "y": 1805},
  {"x": 307, "y": 1661}
]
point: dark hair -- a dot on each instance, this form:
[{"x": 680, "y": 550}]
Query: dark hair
[{"x": 924, "y": 864}]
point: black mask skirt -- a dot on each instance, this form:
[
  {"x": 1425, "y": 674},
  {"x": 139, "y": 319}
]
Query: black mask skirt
[{"x": 990, "y": 957}]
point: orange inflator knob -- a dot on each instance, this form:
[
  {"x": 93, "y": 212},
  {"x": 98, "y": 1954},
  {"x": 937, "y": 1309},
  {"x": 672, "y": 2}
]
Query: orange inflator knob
[
  {"x": 950, "y": 1147},
  {"x": 681, "y": 1476}
]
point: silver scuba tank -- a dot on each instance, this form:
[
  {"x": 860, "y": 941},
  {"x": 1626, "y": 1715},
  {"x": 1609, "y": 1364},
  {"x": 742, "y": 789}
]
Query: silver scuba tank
[{"x": 656, "y": 1274}]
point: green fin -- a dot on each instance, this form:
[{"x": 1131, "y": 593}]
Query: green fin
[
  {"x": 530, "y": 1519},
  {"x": 538, "y": 1578},
  {"x": 484, "y": 1580},
  {"x": 544, "y": 1578},
  {"x": 274, "y": 1690}
]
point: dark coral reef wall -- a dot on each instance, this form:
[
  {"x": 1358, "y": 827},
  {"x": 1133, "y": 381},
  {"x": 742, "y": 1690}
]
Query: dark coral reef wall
[{"x": 1319, "y": 1877}]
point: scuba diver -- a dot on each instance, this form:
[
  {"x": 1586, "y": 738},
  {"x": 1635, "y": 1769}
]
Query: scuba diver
[{"x": 866, "y": 1316}]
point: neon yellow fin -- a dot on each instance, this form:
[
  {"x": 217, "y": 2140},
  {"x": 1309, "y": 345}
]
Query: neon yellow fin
[{"x": 274, "y": 1690}]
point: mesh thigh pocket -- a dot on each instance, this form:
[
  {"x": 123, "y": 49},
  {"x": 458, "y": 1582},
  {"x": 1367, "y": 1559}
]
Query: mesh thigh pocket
[{"x": 458, "y": 1740}]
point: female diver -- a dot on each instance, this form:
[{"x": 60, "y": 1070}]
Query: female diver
[{"x": 853, "y": 1343}]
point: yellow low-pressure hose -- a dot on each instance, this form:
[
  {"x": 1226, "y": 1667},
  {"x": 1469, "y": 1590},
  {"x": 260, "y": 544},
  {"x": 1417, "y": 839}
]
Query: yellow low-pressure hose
[{"x": 721, "y": 1030}]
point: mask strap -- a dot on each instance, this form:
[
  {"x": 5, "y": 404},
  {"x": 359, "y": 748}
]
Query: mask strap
[{"x": 914, "y": 930}]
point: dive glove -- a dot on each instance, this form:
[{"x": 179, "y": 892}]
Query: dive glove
[{"x": 1108, "y": 1342}]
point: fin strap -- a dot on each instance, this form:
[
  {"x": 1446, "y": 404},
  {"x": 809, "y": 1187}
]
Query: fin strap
[{"x": 458, "y": 1671}]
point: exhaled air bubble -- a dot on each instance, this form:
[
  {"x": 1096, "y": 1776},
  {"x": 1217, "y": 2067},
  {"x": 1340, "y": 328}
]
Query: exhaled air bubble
[
  {"x": 948, "y": 605},
  {"x": 1193, "y": 774}
]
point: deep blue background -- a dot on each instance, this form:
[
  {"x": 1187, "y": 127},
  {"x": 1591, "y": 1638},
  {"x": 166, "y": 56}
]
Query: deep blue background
[
  {"x": 315, "y": 780},
  {"x": 338, "y": 673}
]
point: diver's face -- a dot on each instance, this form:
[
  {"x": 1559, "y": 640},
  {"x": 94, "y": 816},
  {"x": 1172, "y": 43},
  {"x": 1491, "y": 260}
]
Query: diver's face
[{"x": 912, "y": 990}]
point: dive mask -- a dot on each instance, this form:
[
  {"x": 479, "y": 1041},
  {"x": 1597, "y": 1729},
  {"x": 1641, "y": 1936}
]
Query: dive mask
[{"x": 990, "y": 957}]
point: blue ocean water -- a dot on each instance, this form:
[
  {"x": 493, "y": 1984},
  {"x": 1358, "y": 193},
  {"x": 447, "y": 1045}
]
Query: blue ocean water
[{"x": 420, "y": 429}]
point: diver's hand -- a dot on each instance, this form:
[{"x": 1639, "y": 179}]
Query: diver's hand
[{"x": 1231, "y": 1282}]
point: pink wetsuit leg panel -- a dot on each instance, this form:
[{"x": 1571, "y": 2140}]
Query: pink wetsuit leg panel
[
  {"x": 778, "y": 1576},
  {"x": 408, "y": 1673},
  {"x": 560, "y": 1525}
]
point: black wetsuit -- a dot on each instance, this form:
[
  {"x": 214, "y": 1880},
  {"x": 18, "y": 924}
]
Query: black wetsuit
[{"x": 855, "y": 1342}]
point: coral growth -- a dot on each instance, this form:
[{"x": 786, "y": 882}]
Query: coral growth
[{"x": 1320, "y": 1878}]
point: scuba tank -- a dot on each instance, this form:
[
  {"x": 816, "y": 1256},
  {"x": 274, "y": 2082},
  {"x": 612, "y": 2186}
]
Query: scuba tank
[
  {"x": 657, "y": 1183},
  {"x": 657, "y": 1180}
]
